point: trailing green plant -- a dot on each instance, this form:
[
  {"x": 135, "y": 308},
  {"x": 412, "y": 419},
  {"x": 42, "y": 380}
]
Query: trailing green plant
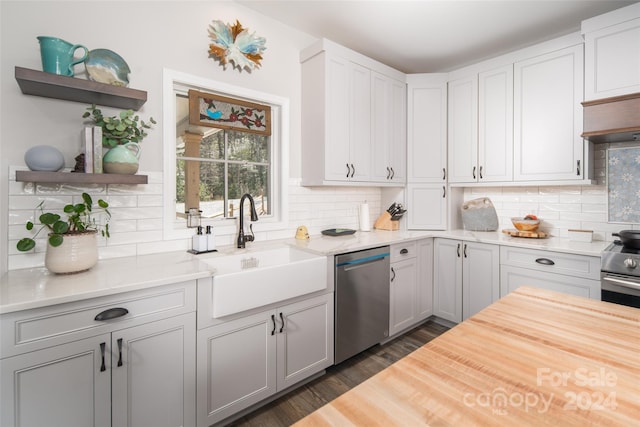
[
  {"x": 80, "y": 218},
  {"x": 120, "y": 129}
]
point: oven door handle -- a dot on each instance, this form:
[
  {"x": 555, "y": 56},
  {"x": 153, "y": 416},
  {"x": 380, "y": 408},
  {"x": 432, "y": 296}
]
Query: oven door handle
[{"x": 621, "y": 282}]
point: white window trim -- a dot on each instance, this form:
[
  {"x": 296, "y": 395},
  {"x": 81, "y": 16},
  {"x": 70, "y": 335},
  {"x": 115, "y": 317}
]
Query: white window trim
[{"x": 280, "y": 144}]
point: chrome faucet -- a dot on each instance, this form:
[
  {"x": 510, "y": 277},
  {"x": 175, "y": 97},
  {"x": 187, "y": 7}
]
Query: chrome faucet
[{"x": 254, "y": 217}]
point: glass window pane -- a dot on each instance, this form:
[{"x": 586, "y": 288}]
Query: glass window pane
[
  {"x": 200, "y": 185},
  {"x": 252, "y": 179},
  {"x": 212, "y": 146},
  {"x": 248, "y": 146}
]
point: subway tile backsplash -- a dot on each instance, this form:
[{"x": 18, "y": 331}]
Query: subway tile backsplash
[{"x": 137, "y": 221}]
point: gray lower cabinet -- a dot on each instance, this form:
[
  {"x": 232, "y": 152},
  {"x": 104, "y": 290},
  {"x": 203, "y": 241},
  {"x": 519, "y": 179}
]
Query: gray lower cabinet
[
  {"x": 135, "y": 370},
  {"x": 466, "y": 278},
  {"x": 556, "y": 271},
  {"x": 243, "y": 361}
]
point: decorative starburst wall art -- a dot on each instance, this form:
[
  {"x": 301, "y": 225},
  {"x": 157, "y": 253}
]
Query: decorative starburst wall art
[{"x": 233, "y": 43}]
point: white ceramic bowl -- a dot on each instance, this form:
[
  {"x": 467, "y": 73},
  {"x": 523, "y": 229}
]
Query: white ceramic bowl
[{"x": 525, "y": 224}]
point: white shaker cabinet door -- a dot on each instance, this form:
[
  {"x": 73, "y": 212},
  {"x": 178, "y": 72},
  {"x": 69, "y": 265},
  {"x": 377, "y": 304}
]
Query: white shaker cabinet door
[
  {"x": 305, "y": 339},
  {"x": 428, "y": 206},
  {"x": 403, "y": 305},
  {"x": 463, "y": 130},
  {"x": 548, "y": 116},
  {"x": 447, "y": 279},
  {"x": 480, "y": 276},
  {"x": 153, "y": 373},
  {"x": 66, "y": 385},
  {"x": 612, "y": 60},
  {"x": 236, "y": 366},
  {"x": 427, "y": 128},
  {"x": 336, "y": 126},
  {"x": 495, "y": 125}
]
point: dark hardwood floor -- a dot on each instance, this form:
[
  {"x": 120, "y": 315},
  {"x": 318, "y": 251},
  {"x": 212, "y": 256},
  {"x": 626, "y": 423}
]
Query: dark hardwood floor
[{"x": 296, "y": 405}]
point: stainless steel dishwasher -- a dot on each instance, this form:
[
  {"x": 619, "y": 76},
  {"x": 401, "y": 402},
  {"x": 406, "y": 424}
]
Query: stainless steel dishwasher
[{"x": 361, "y": 301}]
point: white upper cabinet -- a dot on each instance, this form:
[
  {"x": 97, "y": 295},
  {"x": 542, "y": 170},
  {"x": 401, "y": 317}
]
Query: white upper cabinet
[
  {"x": 481, "y": 127},
  {"x": 612, "y": 53},
  {"x": 463, "y": 129},
  {"x": 388, "y": 137},
  {"x": 353, "y": 119},
  {"x": 495, "y": 125},
  {"x": 427, "y": 128},
  {"x": 548, "y": 116}
]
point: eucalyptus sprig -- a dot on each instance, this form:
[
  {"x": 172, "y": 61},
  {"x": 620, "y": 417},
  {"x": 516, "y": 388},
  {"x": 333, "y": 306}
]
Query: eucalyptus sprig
[
  {"x": 80, "y": 218},
  {"x": 120, "y": 129}
]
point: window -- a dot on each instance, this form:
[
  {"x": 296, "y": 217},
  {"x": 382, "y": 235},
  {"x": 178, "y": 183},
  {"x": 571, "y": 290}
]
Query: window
[
  {"x": 210, "y": 168},
  {"x": 215, "y": 169}
]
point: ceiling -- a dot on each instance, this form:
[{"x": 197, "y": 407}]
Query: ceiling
[{"x": 422, "y": 36}]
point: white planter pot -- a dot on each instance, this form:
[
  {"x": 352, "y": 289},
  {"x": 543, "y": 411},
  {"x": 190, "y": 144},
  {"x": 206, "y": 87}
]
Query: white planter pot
[{"x": 78, "y": 252}]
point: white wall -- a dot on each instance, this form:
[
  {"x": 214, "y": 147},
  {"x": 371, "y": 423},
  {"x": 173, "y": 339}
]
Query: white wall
[{"x": 150, "y": 36}]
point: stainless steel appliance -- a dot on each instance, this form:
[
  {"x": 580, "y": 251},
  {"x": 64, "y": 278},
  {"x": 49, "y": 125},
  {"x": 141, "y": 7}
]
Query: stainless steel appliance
[
  {"x": 620, "y": 274},
  {"x": 361, "y": 301}
]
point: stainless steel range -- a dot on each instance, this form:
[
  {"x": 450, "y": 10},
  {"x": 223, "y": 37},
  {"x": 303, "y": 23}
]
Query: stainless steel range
[{"x": 620, "y": 274}]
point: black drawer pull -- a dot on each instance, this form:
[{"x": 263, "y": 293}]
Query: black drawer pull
[
  {"x": 273, "y": 319},
  {"x": 112, "y": 313},
  {"x": 102, "y": 350},
  {"x": 545, "y": 261},
  {"x": 119, "y": 351},
  {"x": 281, "y": 320},
  {"x": 404, "y": 251}
]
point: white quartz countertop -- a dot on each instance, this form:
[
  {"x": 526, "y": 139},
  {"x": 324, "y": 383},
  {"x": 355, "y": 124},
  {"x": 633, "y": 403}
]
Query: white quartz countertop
[
  {"x": 37, "y": 287},
  {"x": 328, "y": 245}
]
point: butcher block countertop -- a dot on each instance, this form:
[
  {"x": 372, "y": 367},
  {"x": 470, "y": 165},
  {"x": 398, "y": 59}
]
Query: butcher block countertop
[{"x": 534, "y": 357}]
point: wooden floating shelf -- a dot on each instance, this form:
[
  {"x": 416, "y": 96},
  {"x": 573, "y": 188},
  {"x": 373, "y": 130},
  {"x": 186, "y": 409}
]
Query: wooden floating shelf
[
  {"x": 79, "y": 178},
  {"x": 48, "y": 85}
]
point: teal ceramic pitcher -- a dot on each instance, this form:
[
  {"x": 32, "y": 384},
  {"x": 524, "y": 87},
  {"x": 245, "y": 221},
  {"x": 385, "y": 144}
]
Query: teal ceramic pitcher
[
  {"x": 122, "y": 159},
  {"x": 58, "y": 55}
]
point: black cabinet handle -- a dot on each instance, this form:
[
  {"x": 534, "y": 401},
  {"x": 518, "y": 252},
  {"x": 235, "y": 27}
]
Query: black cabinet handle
[
  {"x": 464, "y": 252},
  {"x": 348, "y": 170},
  {"x": 480, "y": 172},
  {"x": 444, "y": 192},
  {"x": 102, "y": 350},
  {"x": 119, "y": 351},
  {"x": 578, "y": 167},
  {"x": 353, "y": 170},
  {"x": 394, "y": 274},
  {"x": 392, "y": 173},
  {"x": 112, "y": 313},
  {"x": 273, "y": 319},
  {"x": 474, "y": 172},
  {"x": 545, "y": 261},
  {"x": 281, "y": 320},
  {"x": 404, "y": 251},
  {"x": 388, "y": 172},
  {"x": 458, "y": 250},
  {"x": 444, "y": 174}
]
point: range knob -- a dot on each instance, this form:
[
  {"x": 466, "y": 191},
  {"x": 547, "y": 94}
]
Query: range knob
[{"x": 630, "y": 263}]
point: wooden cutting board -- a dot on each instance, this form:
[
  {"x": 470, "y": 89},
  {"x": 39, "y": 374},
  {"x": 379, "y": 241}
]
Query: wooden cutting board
[{"x": 529, "y": 234}]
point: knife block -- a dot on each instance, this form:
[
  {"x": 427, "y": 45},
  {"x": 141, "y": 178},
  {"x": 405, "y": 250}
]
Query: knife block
[{"x": 384, "y": 222}]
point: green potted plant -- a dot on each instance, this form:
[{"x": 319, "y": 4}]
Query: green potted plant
[
  {"x": 72, "y": 244},
  {"x": 121, "y": 134}
]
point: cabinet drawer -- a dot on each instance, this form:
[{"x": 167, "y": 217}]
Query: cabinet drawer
[
  {"x": 403, "y": 251},
  {"x": 511, "y": 278},
  {"x": 584, "y": 266},
  {"x": 31, "y": 330}
]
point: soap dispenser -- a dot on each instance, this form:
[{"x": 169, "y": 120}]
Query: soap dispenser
[
  {"x": 199, "y": 241},
  {"x": 211, "y": 239}
]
